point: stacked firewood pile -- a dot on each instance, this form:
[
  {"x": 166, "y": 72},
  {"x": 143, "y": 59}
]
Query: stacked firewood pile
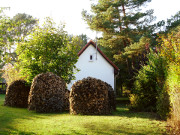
[
  {"x": 89, "y": 97},
  {"x": 47, "y": 93},
  {"x": 17, "y": 94},
  {"x": 111, "y": 95},
  {"x": 66, "y": 100}
]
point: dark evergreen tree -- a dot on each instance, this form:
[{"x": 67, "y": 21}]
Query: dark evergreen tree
[{"x": 122, "y": 24}]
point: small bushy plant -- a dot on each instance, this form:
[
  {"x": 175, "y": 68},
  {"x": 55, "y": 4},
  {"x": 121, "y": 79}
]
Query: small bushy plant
[
  {"x": 11, "y": 74},
  {"x": 144, "y": 97}
]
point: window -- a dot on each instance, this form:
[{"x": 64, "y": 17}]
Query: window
[{"x": 91, "y": 57}]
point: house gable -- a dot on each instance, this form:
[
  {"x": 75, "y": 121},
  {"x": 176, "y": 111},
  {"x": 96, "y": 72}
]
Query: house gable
[
  {"x": 116, "y": 69},
  {"x": 92, "y": 62}
]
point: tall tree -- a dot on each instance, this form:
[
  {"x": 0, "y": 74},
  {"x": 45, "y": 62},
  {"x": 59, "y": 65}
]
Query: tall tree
[
  {"x": 172, "y": 23},
  {"x": 47, "y": 50},
  {"x": 122, "y": 24},
  {"x": 165, "y": 26},
  {"x": 23, "y": 24},
  {"x": 120, "y": 21},
  {"x": 13, "y": 30},
  {"x": 6, "y": 38},
  {"x": 81, "y": 40}
]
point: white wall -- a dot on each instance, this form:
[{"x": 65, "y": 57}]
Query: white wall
[{"x": 99, "y": 68}]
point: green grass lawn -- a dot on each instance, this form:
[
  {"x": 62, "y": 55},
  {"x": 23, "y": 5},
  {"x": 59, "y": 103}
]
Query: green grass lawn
[{"x": 23, "y": 122}]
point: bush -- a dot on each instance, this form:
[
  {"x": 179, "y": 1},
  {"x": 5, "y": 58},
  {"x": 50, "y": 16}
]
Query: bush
[
  {"x": 163, "y": 104},
  {"x": 157, "y": 83},
  {"x": 145, "y": 91},
  {"x": 149, "y": 87},
  {"x": 11, "y": 74},
  {"x": 173, "y": 85},
  {"x": 171, "y": 52}
]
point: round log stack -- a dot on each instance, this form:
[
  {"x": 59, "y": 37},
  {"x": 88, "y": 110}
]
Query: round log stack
[
  {"x": 111, "y": 95},
  {"x": 17, "y": 94},
  {"x": 89, "y": 96},
  {"x": 66, "y": 100},
  {"x": 47, "y": 93}
]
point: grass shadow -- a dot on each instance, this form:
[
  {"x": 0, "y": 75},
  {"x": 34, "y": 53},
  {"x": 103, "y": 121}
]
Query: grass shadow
[
  {"x": 123, "y": 111},
  {"x": 122, "y": 121},
  {"x": 106, "y": 130},
  {"x": 9, "y": 115}
]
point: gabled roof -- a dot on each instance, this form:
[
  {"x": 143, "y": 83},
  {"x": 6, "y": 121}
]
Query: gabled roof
[{"x": 106, "y": 58}]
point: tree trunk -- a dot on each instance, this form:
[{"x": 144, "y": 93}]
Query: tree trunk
[{"x": 124, "y": 13}]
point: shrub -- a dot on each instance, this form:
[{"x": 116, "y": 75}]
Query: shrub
[
  {"x": 171, "y": 52},
  {"x": 11, "y": 74},
  {"x": 174, "y": 120},
  {"x": 173, "y": 86},
  {"x": 145, "y": 86},
  {"x": 160, "y": 79},
  {"x": 163, "y": 104}
]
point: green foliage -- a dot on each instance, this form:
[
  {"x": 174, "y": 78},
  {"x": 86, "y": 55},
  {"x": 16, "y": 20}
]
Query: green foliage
[
  {"x": 135, "y": 50},
  {"x": 125, "y": 33},
  {"x": 170, "y": 51},
  {"x": 23, "y": 25},
  {"x": 81, "y": 40},
  {"x": 173, "y": 22},
  {"x": 145, "y": 94},
  {"x": 166, "y": 26},
  {"x": 149, "y": 87},
  {"x": 47, "y": 49},
  {"x": 10, "y": 73},
  {"x": 159, "y": 79},
  {"x": 5, "y": 38},
  {"x": 13, "y": 30},
  {"x": 173, "y": 87}
]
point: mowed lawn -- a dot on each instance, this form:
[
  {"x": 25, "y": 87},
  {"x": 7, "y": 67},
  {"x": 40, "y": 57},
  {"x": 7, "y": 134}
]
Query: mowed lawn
[{"x": 23, "y": 122}]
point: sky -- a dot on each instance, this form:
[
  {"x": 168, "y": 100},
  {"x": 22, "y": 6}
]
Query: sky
[{"x": 68, "y": 12}]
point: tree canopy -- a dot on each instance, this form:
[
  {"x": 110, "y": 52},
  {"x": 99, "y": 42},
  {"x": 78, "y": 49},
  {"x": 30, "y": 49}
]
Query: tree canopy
[
  {"x": 125, "y": 29},
  {"x": 47, "y": 49}
]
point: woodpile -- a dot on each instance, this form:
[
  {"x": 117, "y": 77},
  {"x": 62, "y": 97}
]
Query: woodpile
[
  {"x": 17, "y": 94},
  {"x": 111, "y": 95},
  {"x": 90, "y": 96},
  {"x": 66, "y": 100},
  {"x": 47, "y": 93}
]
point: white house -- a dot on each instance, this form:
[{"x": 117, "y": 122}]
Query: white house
[{"x": 93, "y": 62}]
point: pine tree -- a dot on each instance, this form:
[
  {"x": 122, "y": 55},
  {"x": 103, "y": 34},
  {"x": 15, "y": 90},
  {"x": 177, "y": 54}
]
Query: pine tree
[{"x": 122, "y": 24}]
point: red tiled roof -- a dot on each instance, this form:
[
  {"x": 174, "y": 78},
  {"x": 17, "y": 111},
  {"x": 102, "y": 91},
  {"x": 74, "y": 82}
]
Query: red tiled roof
[{"x": 107, "y": 59}]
